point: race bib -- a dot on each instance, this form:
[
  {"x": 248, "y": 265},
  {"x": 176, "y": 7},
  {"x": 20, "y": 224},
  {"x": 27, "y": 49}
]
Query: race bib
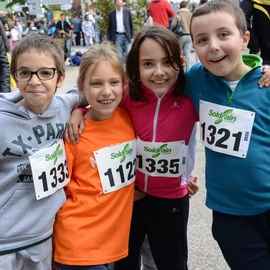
[
  {"x": 49, "y": 169},
  {"x": 225, "y": 129},
  {"x": 165, "y": 159},
  {"x": 116, "y": 165}
]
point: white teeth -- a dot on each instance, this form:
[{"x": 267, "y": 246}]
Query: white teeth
[
  {"x": 106, "y": 101},
  {"x": 160, "y": 81}
]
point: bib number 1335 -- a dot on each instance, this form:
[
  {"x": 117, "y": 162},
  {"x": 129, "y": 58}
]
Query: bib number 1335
[{"x": 224, "y": 129}]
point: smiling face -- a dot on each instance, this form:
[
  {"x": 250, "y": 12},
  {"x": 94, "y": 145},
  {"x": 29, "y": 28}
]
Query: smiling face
[
  {"x": 103, "y": 91},
  {"x": 219, "y": 44},
  {"x": 37, "y": 94},
  {"x": 156, "y": 71}
]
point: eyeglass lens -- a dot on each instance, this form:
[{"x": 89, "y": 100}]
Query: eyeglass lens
[{"x": 43, "y": 74}]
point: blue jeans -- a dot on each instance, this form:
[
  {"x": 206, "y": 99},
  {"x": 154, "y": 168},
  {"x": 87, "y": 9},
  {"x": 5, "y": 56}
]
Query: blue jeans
[
  {"x": 122, "y": 41},
  {"x": 186, "y": 45}
]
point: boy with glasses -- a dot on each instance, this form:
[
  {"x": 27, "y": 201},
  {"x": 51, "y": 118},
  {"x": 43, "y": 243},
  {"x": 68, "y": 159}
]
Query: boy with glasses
[{"x": 32, "y": 156}]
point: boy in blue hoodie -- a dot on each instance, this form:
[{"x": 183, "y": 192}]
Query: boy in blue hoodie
[{"x": 235, "y": 129}]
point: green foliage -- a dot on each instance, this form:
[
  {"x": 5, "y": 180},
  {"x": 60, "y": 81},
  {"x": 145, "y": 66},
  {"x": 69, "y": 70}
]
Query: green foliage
[
  {"x": 14, "y": 2},
  {"x": 103, "y": 7},
  {"x": 138, "y": 10},
  {"x": 52, "y": 7}
]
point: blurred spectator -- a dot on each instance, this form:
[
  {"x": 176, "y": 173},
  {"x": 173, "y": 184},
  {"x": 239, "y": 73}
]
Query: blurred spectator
[
  {"x": 185, "y": 40},
  {"x": 4, "y": 20},
  {"x": 160, "y": 11},
  {"x": 77, "y": 30},
  {"x": 4, "y": 69},
  {"x": 60, "y": 37},
  {"x": 120, "y": 29},
  {"x": 44, "y": 30},
  {"x": 30, "y": 28},
  {"x": 14, "y": 35},
  {"x": 19, "y": 28},
  {"x": 149, "y": 20},
  {"x": 258, "y": 22},
  {"x": 36, "y": 23},
  {"x": 8, "y": 33},
  {"x": 88, "y": 31},
  {"x": 4, "y": 37},
  {"x": 62, "y": 24},
  {"x": 76, "y": 59},
  {"x": 52, "y": 27},
  {"x": 91, "y": 15}
]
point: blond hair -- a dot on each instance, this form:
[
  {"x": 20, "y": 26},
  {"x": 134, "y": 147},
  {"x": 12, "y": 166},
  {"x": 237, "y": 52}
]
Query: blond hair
[{"x": 99, "y": 52}]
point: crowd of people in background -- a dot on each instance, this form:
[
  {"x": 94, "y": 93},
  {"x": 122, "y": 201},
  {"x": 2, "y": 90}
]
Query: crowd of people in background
[
  {"x": 15, "y": 29},
  {"x": 83, "y": 30}
]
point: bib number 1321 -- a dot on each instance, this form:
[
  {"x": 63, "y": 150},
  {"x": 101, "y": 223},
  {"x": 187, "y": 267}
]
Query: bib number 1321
[{"x": 224, "y": 129}]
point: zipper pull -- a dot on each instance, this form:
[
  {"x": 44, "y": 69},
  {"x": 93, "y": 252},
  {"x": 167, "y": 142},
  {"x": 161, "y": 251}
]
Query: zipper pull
[{"x": 229, "y": 100}]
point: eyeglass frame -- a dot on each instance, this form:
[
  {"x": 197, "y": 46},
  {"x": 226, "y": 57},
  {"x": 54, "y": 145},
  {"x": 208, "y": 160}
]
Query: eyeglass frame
[{"x": 34, "y": 72}]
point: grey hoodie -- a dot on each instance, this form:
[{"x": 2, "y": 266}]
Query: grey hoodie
[{"x": 24, "y": 220}]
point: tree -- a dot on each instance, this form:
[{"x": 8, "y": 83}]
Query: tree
[
  {"x": 14, "y": 2},
  {"x": 139, "y": 11},
  {"x": 103, "y": 7}
]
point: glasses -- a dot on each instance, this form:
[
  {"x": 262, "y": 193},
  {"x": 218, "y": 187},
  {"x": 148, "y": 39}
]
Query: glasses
[{"x": 25, "y": 75}]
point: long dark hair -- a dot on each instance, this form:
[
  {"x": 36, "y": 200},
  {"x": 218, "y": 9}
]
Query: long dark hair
[{"x": 168, "y": 41}]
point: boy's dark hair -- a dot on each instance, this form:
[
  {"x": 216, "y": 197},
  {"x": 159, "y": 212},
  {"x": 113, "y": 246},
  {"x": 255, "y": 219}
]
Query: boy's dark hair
[
  {"x": 203, "y": 1},
  {"x": 42, "y": 44},
  {"x": 222, "y": 6},
  {"x": 168, "y": 41},
  {"x": 183, "y": 4}
]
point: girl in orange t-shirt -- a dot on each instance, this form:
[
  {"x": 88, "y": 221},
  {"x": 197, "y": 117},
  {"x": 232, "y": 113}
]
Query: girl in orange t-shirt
[{"x": 92, "y": 228}]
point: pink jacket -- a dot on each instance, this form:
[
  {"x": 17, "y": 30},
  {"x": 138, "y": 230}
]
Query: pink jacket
[{"x": 163, "y": 119}]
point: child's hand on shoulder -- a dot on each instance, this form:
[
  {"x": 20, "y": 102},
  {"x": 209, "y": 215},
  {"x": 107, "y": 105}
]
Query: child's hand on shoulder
[
  {"x": 265, "y": 79},
  {"x": 192, "y": 186},
  {"x": 75, "y": 127},
  {"x": 138, "y": 195}
]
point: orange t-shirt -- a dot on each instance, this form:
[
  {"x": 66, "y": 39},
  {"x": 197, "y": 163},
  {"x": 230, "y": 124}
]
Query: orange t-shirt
[{"x": 92, "y": 227}]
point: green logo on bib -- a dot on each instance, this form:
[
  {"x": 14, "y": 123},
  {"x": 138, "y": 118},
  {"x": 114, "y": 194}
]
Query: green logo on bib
[
  {"x": 57, "y": 153},
  {"x": 163, "y": 149},
  {"x": 122, "y": 154},
  {"x": 226, "y": 116}
]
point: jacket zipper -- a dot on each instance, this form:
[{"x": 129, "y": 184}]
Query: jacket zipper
[{"x": 154, "y": 135}]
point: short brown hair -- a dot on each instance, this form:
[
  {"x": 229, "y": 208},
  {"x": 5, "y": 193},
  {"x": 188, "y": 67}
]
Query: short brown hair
[
  {"x": 42, "y": 44},
  {"x": 168, "y": 41},
  {"x": 99, "y": 52},
  {"x": 226, "y": 6}
]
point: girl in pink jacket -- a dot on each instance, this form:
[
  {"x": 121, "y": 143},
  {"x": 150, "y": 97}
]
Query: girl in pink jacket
[
  {"x": 164, "y": 120},
  {"x": 165, "y": 125}
]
